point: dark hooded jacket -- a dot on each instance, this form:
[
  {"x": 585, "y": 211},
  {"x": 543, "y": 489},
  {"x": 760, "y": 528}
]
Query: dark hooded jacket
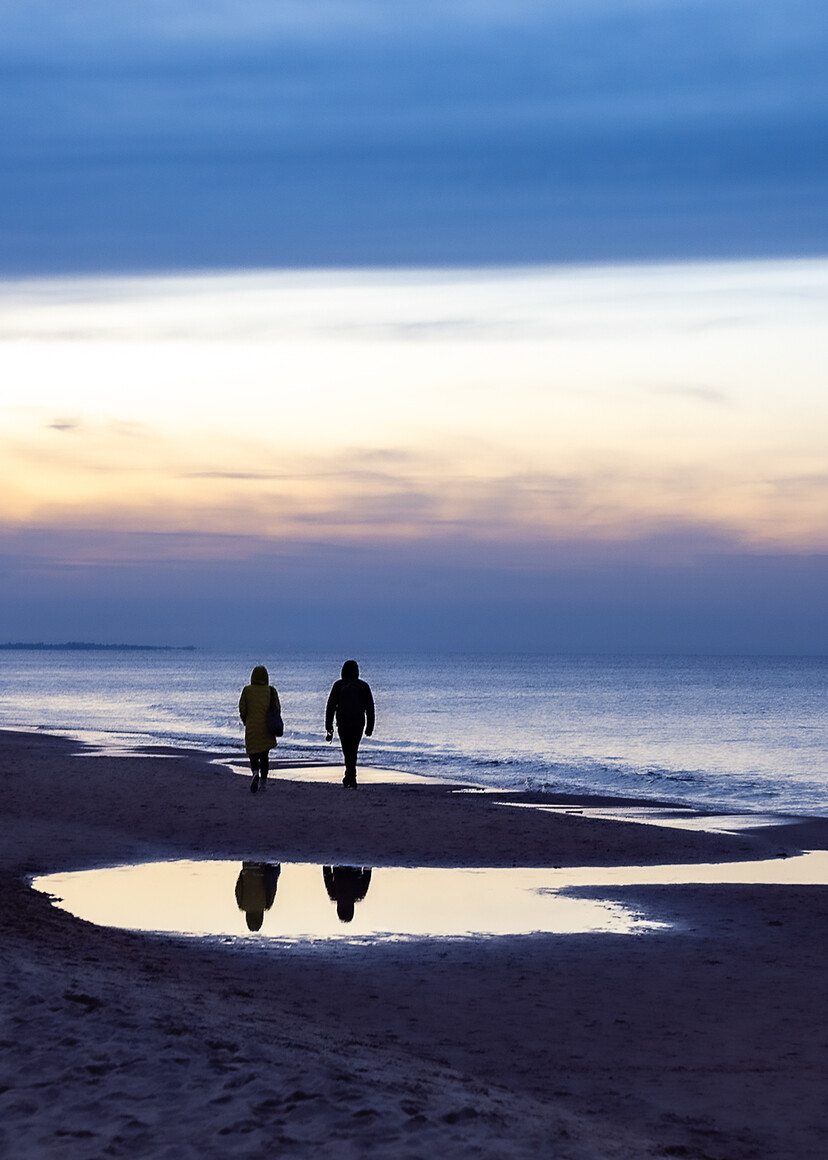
[{"x": 350, "y": 702}]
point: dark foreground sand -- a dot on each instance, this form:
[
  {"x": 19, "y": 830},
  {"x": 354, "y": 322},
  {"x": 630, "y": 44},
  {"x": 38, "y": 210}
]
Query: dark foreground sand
[{"x": 706, "y": 1041}]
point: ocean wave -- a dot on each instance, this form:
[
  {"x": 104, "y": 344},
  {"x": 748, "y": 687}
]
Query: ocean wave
[{"x": 729, "y": 736}]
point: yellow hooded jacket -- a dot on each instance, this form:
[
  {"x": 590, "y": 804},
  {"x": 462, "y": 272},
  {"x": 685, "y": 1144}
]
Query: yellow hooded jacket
[{"x": 253, "y": 706}]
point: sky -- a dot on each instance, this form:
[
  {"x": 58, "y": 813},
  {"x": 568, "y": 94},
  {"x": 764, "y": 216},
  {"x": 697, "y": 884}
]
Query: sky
[{"x": 429, "y": 326}]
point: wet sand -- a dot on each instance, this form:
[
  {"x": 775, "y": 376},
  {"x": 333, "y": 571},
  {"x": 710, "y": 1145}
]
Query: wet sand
[{"x": 704, "y": 1041}]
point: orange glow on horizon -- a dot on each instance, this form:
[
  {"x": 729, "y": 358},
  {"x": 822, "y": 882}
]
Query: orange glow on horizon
[{"x": 504, "y": 404}]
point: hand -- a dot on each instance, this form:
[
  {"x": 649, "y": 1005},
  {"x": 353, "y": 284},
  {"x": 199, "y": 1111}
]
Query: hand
[
  {"x": 329, "y": 735},
  {"x": 369, "y": 732}
]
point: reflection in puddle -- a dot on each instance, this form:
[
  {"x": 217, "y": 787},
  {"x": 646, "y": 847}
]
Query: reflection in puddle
[
  {"x": 346, "y": 886},
  {"x": 256, "y": 890},
  {"x": 257, "y": 882},
  {"x": 298, "y": 901}
]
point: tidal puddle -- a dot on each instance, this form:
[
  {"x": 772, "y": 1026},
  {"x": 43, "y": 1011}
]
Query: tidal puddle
[
  {"x": 329, "y": 773},
  {"x": 303, "y": 902},
  {"x": 680, "y": 818},
  {"x": 299, "y": 901}
]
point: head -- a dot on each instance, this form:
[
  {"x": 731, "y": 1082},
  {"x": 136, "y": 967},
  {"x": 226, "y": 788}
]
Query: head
[
  {"x": 255, "y": 918},
  {"x": 350, "y": 670},
  {"x": 259, "y": 676},
  {"x": 345, "y": 909}
]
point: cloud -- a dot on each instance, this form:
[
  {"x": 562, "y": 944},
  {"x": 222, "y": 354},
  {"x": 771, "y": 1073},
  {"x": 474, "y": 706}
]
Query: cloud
[
  {"x": 419, "y": 73},
  {"x": 690, "y": 591},
  {"x": 249, "y": 475},
  {"x": 194, "y": 21},
  {"x": 338, "y": 502},
  {"x": 604, "y": 407},
  {"x": 516, "y": 303},
  {"x": 410, "y": 133},
  {"x": 64, "y": 425},
  {"x": 701, "y": 394},
  {"x": 803, "y": 482}
]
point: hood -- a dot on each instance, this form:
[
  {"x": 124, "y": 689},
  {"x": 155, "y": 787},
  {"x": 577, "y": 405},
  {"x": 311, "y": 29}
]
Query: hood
[
  {"x": 259, "y": 676},
  {"x": 350, "y": 670}
]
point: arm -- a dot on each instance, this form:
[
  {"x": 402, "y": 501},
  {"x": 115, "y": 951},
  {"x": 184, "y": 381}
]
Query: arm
[
  {"x": 363, "y": 883},
  {"x": 330, "y": 707},
  {"x": 369, "y": 711}
]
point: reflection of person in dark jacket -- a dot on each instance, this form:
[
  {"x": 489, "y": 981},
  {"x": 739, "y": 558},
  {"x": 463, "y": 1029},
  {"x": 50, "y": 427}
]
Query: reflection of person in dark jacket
[
  {"x": 352, "y": 704},
  {"x": 346, "y": 885},
  {"x": 256, "y": 889}
]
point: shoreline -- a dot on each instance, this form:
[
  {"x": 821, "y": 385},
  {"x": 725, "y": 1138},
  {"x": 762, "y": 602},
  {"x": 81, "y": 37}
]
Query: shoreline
[
  {"x": 235, "y": 759},
  {"x": 698, "y": 1041}
]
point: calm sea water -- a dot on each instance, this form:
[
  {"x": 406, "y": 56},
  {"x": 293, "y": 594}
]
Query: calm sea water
[{"x": 730, "y": 732}]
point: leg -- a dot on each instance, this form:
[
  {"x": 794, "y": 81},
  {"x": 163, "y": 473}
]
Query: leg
[
  {"x": 255, "y": 765},
  {"x": 263, "y": 767},
  {"x": 349, "y": 739}
]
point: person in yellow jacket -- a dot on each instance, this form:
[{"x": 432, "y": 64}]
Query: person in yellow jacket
[{"x": 254, "y": 703}]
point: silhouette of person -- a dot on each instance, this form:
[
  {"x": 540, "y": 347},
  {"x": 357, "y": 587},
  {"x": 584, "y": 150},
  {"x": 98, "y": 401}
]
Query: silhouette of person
[
  {"x": 254, "y": 703},
  {"x": 346, "y": 886},
  {"x": 352, "y": 704},
  {"x": 256, "y": 889}
]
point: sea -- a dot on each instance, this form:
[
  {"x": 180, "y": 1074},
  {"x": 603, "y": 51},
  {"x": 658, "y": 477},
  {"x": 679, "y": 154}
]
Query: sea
[{"x": 721, "y": 732}]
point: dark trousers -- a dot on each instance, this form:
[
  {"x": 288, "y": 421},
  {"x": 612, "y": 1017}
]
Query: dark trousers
[
  {"x": 349, "y": 738},
  {"x": 259, "y": 763}
]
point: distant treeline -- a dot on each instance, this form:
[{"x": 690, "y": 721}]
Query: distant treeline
[{"x": 86, "y": 646}]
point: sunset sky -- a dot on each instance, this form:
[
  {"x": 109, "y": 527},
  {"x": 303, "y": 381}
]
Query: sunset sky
[{"x": 448, "y": 326}]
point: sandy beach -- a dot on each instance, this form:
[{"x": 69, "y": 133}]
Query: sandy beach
[{"x": 705, "y": 1040}]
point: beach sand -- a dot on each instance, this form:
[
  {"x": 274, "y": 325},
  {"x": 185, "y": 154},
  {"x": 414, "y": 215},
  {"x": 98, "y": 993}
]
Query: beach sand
[{"x": 706, "y": 1040}]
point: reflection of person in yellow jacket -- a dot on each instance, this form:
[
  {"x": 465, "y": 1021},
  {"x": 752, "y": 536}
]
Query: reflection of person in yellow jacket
[
  {"x": 256, "y": 889},
  {"x": 346, "y": 885}
]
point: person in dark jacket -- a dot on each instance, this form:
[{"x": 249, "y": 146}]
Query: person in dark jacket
[{"x": 352, "y": 705}]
